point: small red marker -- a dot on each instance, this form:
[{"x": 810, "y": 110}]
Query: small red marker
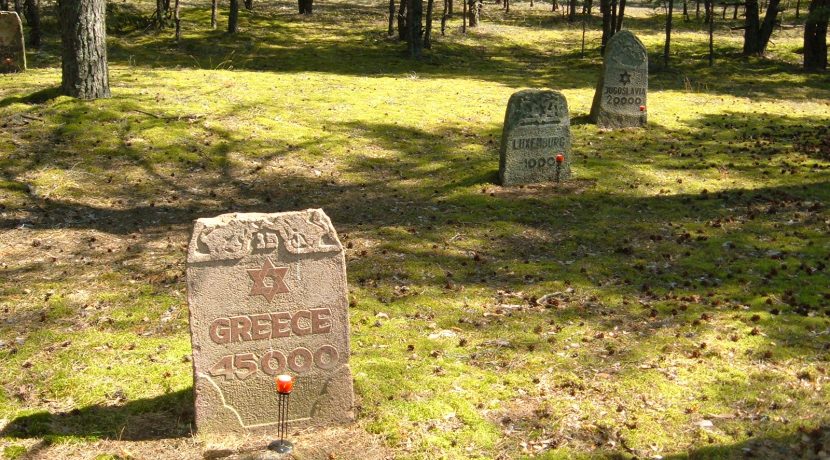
[
  {"x": 642, "y": 108},
  {"x": 285, "y": 383},
  {"x": 560, "y": 158},
  {"x": 8, "y": 61}
]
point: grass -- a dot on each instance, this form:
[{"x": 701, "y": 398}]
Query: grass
[{"x": 682, "y": 274}]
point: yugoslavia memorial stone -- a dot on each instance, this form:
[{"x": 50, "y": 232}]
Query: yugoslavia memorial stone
[
  {"x": 620, "y": 99},
  {"x": 12, "y": 51},
  {"x": 267, "y": 295},
  {"x": 536, "y": 130}
]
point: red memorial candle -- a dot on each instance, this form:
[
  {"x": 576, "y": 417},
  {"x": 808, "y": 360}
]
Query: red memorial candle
[
  {"x": 560, "y": 158},
  {"x": 285, "y": 383},
  {"x": 642, "y": 108}
]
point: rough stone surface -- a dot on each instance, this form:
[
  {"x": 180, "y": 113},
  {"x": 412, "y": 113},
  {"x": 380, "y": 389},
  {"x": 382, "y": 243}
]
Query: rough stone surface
[
  {"x": 536, "y": 129},
  {"x": 267, "y": 295},
  {"x": 12, "y": 49},
  {"x": 620, "y": 99}
]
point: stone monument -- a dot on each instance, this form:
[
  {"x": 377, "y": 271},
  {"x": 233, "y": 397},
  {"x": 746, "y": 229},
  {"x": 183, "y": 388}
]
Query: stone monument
[
  {"x": 536, "y": 138},
  {"x": 267, "y": 295},
  {"x": 12, "y": 50},
  {"x": 620, "y": 99}
]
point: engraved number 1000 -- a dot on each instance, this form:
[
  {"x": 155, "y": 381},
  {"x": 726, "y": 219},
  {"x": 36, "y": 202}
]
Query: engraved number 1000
[{"x": 300, "y": 360}]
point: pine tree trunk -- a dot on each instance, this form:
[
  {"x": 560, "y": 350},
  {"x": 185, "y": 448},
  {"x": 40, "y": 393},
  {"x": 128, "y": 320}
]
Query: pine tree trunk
[
  {"x": 607, "y": 27},
  {"x": 249, "y": 4},
  {"x": 572, "y": 11},
  {"x": 473, "y": 12},
  {"x": 685, "y": 11},
  {"x": 33, "y": 21},
  {"x": 213, "y": 6},
  {"x": 428, "y": 30},
  {"x": 613, "y": 18},
  {"x": 177, "y": 18},
  {"x": 752, "y": 30},
  {"x": 159, "y": 14},
  {"x": 444, "y": 17},
  {"x": 464, "y": 16},
  {"x": 667, "y": 48},
  {"x": 414, "y": 20},
  {"x": 711, "y": 33},
  {"x": 620, "y": 15},
  {"x": 768, "y": 25},
  {"x": 815, "y": 36},
  {"x": 233, "y": 17},
  {"x": 402, "y": 15},
  {"x": 84, "y": 58},
  {"x": 306, "y": 6},
  {"x": 391, "y": 18}
]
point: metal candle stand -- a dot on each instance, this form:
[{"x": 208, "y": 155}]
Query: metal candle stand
[
  {"x": 285, "y": 383},
  {"x": 559, "y": 159}
]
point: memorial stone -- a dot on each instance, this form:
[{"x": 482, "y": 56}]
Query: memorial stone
[
  {"x": 12, "y": 50},
  {"x": 620, "y": 98},
  {"x": 267, "y": 295},
  {"x": 536, "y": 138}
]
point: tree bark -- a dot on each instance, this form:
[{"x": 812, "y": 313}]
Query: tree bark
[
  {"x": 473, "y": 12},
  {"x": 797, "y": 8},
  {"x": 620, "y": 15},
  {"x": 4, "y": 5},
  {"x": 392, "y": 18},
  {"x": 84, "y": 71},
  {"x": 752, "y": 31},
  {"x": 667, "y": 48},
  {"x": 768, "y": 25},
  {"x": 711, "y": 33},
  {"x": 402, "y": 15},
  {"x": 32, "y": 12},
  {"x": 607, "y": 27},
  {"x": 428, "y": 30},
  {"x": 572, "y": 11},
  {"x": 233, "y": 17},
  {"x": 305, "y": 6},
  {"x": 414, "y": 19},
  {"x": 815, "y": 36},
  {"x": 249, "y": 4},
  {"x": 177, "y": 18},
  {"x": 464, "y": 17},
  {"x": 159, "y": 14},
  {"x": 213, "y": 6},
  {"x": 444, "y": 17}
]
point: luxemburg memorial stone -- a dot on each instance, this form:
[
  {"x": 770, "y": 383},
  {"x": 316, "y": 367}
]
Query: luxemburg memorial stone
[
  {"x": 536, "y": 138},
  {"x": 620, "y": 99},
  {"x": 267, "y": 295},
  {"x": 12, "y": 50}
]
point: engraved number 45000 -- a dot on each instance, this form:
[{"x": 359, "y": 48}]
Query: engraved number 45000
[{"x": 300, "y": 360}]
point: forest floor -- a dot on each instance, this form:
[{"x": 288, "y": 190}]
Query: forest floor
[{"x": 683, "y": 273}]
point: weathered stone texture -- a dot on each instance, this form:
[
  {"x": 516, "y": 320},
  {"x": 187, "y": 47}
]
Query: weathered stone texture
[
  {"x": 268, "y": 296},
  {"x": 537, "y": 128},
  {"x": 620, "y": 100}
]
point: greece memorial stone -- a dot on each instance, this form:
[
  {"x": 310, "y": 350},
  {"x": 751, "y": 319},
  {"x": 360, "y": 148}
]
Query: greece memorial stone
[
  {"x": 12, "y": 51},
  {"x": 267, "y": 295},
  {"x": 536, "y": 138},
  {"x": 620, "y": 99}
]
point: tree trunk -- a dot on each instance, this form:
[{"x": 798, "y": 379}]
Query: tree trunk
[
  {"x": 84, "y": 72},
  {"x": 233, "y": 17},
  {"x": 815, "y": 36},
  {"x": 4, "y": 5},
  {"x": 444, "y": 17},
  {"x": 249, "y": 4},
  {"x": 797, "y": 8},
  {"x": 752, "y": 31},
  {"x": 711, "y": 33},
  {"x": 735, "y": 12},
  {"x": 473, "y": 12},
  {"x": 402, "y": 30},
  {"x": 450, "y": 9},
  {"x": 620, "y": 15},
  {"x": 213, "y": 5},
  {"x": 768, "y": 25},
  {"x": 572, "y": 11},
  {"x": 32, "y": 12},
  {"x": 428, "y": 30},
  {"x": 414, "y": 20},
  {"x": 392, "y": 17},
  {"x": 159, "y": 14},
  {"x": 667, "y": 48},
  {"x": 464, "y": 17},
  {"x": 685, "y": 11},
  {"x": 18, "y": 6},
  {"x": 607, "y": 28},
  {"x": 177, "y": 18},
  {"x": 697, "y": 9},
  {"x": 613, "y": 17}
]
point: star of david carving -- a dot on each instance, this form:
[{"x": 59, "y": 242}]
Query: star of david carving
[
  {"x": 625, "y": 78},
  {"x": 276, "y": 275}
]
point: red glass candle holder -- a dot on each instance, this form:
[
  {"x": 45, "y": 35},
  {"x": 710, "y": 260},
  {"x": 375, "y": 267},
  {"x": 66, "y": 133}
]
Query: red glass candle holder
[{"x": 285, "y": 383}]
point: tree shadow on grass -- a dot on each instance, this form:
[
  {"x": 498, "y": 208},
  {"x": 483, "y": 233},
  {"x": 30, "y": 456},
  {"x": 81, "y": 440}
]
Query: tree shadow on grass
[
  {"x": 163, "y": 417},
  {"x": 38, "y": 97}
]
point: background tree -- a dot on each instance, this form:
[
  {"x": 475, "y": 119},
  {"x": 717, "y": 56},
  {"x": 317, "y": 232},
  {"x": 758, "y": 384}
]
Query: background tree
[
  {"x": 414, "y": 23},
  {"x": 85, "y": 74},
  {"x": 32, "y": 13},
  {"x": 815, "y": 35},
  {"x": 756, "y": 33},
  {"x": 233, "y": 17},
  {"x": 305, "y": 6},
  {"x": 667, "y": 48}
]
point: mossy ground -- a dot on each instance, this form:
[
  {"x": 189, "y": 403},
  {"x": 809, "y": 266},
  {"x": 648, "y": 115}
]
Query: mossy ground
[{"x": 672, "y": 300}]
